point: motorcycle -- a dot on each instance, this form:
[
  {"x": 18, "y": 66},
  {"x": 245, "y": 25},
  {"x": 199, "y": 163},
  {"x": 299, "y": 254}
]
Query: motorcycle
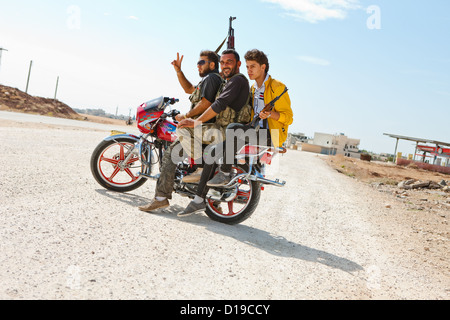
[{"x": 123, "y": 162}]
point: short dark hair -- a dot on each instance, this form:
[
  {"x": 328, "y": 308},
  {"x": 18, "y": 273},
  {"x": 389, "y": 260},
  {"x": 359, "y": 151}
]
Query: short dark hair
[
  {"x": 232, "y": 51},
  {"x": 212, "y": 56},
  {"x": 258, "y": 56}
]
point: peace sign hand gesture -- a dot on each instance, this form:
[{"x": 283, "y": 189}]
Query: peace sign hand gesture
[{"x": 177, "y": 63}]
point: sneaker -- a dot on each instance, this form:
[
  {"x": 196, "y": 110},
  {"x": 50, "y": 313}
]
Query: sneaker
[
  {"x": 193, "y": 177},
  {"x": 155, "y": 205},
  {"x": 193, "y": 208},
  {"x": 219, "y": 180}
]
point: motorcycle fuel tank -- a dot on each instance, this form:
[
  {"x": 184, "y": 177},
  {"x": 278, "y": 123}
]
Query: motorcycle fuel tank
[
  {"x": 167, "y": 131},
  {"x": 146, "y": 114}
]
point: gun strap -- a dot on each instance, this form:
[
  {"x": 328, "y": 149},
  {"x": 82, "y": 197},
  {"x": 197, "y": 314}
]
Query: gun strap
[{"x": 220, "y": 47}]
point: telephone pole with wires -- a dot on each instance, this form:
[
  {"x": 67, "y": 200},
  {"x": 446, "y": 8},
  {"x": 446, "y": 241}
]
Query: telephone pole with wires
[{"x": 1, "y": 51}]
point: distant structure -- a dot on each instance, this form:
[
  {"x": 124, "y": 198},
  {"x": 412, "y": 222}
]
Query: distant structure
[
  {"x": 333, "y": 144},
  {"x": 427, "y": 151},
  {"x": 296, "y": 139},
  {"x": 1, "y": 51}
]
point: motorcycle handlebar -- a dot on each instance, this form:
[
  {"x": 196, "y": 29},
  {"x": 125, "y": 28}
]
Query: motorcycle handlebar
[
  {"x": 171, "y": 114},
  {"x": 171, "y": 100}
]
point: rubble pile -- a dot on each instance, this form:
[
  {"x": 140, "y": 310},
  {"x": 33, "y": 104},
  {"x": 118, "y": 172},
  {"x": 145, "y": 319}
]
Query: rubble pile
[
  {"x": 18, "y": 101},
  {"x": 411, "y": 184}
]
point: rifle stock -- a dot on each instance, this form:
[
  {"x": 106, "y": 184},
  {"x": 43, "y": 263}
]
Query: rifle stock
[{"x": 268, "y": 107}]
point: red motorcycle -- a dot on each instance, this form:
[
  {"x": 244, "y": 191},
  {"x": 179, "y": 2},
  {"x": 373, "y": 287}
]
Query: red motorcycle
[{"x": 123, "y": 162}]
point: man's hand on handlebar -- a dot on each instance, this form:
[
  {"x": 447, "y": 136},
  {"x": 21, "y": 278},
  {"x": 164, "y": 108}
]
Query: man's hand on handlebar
[
  {"x": 180, "y": 117},
  {"x": 188, "y": 123}
]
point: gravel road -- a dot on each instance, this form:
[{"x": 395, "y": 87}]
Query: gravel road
[{"x": 323, "y": 236}]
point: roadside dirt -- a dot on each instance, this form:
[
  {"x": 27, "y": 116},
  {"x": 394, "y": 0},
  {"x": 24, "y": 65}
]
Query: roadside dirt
[
  {"x": 15, "y": 100},
  {"x": 102, "y": 120},
  {"x": 386, "y": 177},
  {"x": 324, "y": 236},
  {"x": 427, "y": 210}
]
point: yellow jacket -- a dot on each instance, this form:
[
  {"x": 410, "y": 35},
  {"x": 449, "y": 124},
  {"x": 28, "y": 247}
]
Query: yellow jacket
[{"x": 278, "y": 128}]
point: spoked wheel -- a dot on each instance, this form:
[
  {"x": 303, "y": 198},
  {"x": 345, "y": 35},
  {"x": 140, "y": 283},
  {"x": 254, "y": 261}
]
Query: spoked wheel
[
  {"x": 244, "y": 199},
  {"x": 109, "y": 168}
]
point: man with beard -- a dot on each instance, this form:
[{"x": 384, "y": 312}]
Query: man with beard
[
  {"x": 230, "y": 107},
  {"x": 273, "y": 126},
  {"x": 202, "y": 96}
]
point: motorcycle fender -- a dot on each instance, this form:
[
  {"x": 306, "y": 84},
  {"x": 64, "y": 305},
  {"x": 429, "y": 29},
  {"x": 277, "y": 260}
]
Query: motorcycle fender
[{"x": 125, "y": 135}]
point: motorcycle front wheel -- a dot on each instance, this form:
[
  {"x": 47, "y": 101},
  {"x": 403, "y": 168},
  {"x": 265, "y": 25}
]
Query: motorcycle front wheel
[
  {"x": 109, "y": 169},
  {"x": 241, "y": 207}
]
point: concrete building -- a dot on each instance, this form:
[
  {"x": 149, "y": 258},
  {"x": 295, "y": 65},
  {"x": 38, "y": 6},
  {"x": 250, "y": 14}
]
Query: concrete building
[
  {"x": 295, "y": 139},
  {"x": 333, "y": 144}
]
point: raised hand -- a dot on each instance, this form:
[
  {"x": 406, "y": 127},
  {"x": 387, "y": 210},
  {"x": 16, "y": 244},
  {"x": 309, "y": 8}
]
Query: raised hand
[{"x": 177, "y": 63}]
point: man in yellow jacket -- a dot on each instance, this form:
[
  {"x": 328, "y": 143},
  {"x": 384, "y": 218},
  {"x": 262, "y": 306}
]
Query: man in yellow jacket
[
  {"x": 264, "y": 90},
  {"x": 273, "y": 126}
]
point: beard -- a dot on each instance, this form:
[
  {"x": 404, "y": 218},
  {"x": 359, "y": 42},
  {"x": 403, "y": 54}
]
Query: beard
[
  {"x": 205, "y": 72},
  {"x": 229, "y": 72}
]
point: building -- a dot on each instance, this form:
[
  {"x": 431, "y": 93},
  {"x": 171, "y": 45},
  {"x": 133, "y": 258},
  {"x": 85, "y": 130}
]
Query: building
[
  {"x": 333, "y": 144},
  {"x": 427, "y": 151},
  {"x": 295, "y": 139}
]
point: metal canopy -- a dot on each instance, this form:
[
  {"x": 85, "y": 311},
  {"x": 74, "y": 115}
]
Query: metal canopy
[
  {"x": 417, "y": 140},
  {"x": 395, "y": 136}
]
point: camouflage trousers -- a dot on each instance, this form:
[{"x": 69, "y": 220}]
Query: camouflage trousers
[
  {"x": 188, "y": 144},
  {"x": 193, "y": 139},
  {"x": 164, "y": 186}
]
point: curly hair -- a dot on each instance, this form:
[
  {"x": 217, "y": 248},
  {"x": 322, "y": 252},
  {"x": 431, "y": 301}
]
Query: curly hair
[{"x": 258, "y": 56}]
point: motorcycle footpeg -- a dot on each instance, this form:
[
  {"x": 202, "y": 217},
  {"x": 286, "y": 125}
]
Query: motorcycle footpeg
[
  {"x": 146, "y": 176},
  {"x": 216, "y": 195}
]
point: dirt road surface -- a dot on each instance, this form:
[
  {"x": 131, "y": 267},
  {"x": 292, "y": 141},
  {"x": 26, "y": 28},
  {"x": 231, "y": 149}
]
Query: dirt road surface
[{"x": 323, "y": 236}]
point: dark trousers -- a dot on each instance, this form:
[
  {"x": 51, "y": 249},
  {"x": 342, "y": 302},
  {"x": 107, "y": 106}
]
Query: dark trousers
[{"x": 237, "y": 136}]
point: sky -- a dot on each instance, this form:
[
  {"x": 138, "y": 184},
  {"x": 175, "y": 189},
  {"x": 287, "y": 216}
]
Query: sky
[{"x": 358, "y": 67}]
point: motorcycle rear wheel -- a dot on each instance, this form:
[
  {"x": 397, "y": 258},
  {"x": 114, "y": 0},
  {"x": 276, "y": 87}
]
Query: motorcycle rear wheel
[
  {"x": 241, "y": 207},
  {"x": 105, "y": 167}
]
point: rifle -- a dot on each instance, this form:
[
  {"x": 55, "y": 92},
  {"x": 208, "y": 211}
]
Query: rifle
[
  {"x": 268, "y": 107},
  {"x": 230, "y": 37},
  {"x": 230, "y": 42}
]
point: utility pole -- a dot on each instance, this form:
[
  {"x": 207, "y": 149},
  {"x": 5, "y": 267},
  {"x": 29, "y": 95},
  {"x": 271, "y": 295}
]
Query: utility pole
[
  {"x": 57, "y": 83},
  {"x": 29, "y": 73},
  {"x": 1, "y": 50}
]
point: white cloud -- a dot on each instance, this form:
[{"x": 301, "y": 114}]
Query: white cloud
[
  {"x": 317, "y": 10},
  {"x": 314, "y": 60},
  {"x": 133, "y": 18}
]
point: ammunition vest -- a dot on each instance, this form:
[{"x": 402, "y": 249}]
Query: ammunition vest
[
  {"x": 196, "y": 97},
  {"x": 229, "y": 115}
]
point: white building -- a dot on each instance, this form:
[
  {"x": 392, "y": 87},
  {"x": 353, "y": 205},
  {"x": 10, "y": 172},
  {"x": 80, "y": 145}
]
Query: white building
[{"x": 333, "y": 144}]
